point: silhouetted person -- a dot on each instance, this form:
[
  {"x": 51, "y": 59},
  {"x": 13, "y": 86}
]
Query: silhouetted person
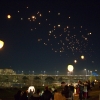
[
  {"x": 36, "y": 95},
  {"x": 72, "y": 91},
  {"x": 81, "y": 90},
  {"x": 66, "y": 90},
  {"x": 30, "y": 94},
  {"x": 24, "y": 96},
  {"x": 47, "y": 95},
  {"x": 18, "y": 95}
]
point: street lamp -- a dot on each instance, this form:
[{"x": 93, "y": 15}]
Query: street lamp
[
  {"x": 29, "y": 72},
  {"x": 86, "y": 73},
  {"x": 57, "y": 72},
  {"x": 95, "y": 70},
  {"x": 18, "y": 71},
  {"x": 22, "y": 72},
  {"x": 44, "y": 72},
  {"x": 33, "y": 72},
  {"x": 91, "y": 73}
]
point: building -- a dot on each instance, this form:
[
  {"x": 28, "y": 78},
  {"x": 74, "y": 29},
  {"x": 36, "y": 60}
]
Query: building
[{"x": 7, "y": 71}]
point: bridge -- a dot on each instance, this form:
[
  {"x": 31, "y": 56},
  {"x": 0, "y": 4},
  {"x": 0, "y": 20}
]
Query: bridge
[{"x": 42, "y": 78}]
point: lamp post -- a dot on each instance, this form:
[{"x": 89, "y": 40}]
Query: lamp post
[
  {"x": 96, "y": 71},
  {"x": 22, "y": 72},
  {"x": 44, "y": 72},
  {"x": 86, "y": 73},
  {"x": 33, "y": 72},
  {"x": 57, "y": 72},
  {"x": 29, "y": 72},
  {"x": 91, "y": 73}
]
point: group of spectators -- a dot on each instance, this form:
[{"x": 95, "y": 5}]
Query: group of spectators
[
  {"x": 83, "y": 89},
  {"x": 64, "y": 92}
]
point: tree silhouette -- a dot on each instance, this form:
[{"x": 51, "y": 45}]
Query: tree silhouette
[
  {"x": 37, "y": 80},
  {"x": 49, "y": 80},
  {"x": 25, "y": 79}
]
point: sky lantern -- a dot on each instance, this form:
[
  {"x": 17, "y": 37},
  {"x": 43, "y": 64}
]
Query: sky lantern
[
  {"x": 1, "y": 44},
  {"x": 34, "y": 18},
  {"x": 82, "y": 57},
  {"x": 75, "y": 61},
  {"x": 8, "y": 16},
  {"x": 70, "y": 68}
]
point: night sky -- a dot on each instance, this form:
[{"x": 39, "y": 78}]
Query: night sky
[{"x": 48, "y": 35}]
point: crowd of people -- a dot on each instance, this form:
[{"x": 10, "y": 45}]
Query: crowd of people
[
  {"x": 64, "y": 92},
  {"x": 83, "y": 89}
]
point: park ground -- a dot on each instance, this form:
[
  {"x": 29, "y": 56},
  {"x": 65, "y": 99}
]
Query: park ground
[
  {"x": 8, "y": 94},
  {"x": 94, "y": 93}
]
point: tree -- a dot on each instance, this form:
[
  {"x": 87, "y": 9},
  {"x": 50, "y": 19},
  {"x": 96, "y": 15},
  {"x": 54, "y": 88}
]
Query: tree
[
  {"x": 37, "y": 80},
  {"x": 49, "y": 80},
  {"x": 60, "y": 79},
  {"x": 25, "y": 79},
  {"x": 92, "y": 78},
  {"x": 5, "y": 78}
]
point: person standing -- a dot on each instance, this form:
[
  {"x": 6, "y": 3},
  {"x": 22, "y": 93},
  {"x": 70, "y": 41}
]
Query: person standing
[
  {"x": 36, "y": 96},
  {"x": 81, "y": 91},
  {"x": 47, "y": 95},
  {"x": 72, "y": 90},
  {"x": 66, "y": 90},
  {"x": 85, "y": 91}
]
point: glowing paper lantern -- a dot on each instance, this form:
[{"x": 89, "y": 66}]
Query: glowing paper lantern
[
  {"x": 8, "y": 16},
  {"x": 31, "y": 88},
  {"x": 82, "y": 57},
  {"x": 1, "y": 44},
  {"x": 75, "y": 61},
  {"x": 70, "y": 68}
]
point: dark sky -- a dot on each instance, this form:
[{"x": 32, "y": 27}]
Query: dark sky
[{"x": 41, "y": 44}]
